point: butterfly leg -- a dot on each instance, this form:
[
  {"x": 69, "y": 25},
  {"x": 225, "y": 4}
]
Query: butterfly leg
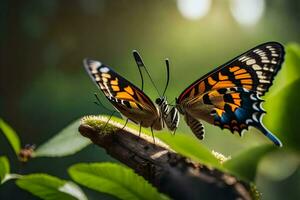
[
  {"x": 125, "y": 123},
  {"x": 152, "y": 134},
  {"x": 101, "y": 105},
  {"x": 109, "y": 119},
  {"x": 174, "y": 131},
  {"x": 140, "y": 129}
]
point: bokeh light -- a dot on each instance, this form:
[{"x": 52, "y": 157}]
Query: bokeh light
[
  {"x": 193, "y": 9},
  {"x": 247, "y": 12}
]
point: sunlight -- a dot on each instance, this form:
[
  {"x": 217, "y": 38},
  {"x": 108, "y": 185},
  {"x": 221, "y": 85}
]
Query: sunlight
[
  {"x": 247, "y": 12},
  {"x": 193, "y": 9}
]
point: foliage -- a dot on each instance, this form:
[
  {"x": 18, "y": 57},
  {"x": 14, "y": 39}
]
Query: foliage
[
  {"x": 122, "y": 182},
  {"x": 194, "y": 150},
  {"x": 285, "y": 122},
  {"x": 244, "y": 165},
  {"x": 114, "y": 179},
  {"x": 4, "y": 169},
  {"x": 11, "y": 136},
  {"x": 50, "y": 188},
  {"x": 66, "y": 142}
]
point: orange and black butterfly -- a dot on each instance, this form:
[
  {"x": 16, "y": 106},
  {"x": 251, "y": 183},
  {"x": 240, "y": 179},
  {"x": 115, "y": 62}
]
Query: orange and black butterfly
[
  {"x": 131, "y": 101},
  {"x": 229, "y": 96}
]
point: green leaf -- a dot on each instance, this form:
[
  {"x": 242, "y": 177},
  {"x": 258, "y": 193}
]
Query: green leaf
[
  {"x": 244, "y": 165},
  {"x": 283, "y": 99},
  {"x": 191, "y": 148},
  {"x": 4, "y": 169},
  {"x": 292, "y": 61},
  {"x": 114, "y": 179},
  {"x": 285, "y": 120},
  {"x": 11, "y": 136},
  {"x": 66, "y": 142},
  {"x": 50, "y": 188}
]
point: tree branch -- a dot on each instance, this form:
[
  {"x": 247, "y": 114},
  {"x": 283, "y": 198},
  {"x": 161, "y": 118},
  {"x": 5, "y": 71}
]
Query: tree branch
[{"x": 173, "y": 174}]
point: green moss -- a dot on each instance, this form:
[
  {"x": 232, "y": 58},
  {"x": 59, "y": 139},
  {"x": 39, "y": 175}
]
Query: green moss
[
  {"x": 255, "y": 194},
  {"x": 101, "y": 124}
]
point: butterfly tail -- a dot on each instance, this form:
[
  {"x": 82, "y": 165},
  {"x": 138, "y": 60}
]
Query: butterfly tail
[{"x": 269, "y": 135}]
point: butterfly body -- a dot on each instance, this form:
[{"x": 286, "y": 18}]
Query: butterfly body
[
  {"x": 229, "y": 96},
  {"x": 171, "y": 116}
]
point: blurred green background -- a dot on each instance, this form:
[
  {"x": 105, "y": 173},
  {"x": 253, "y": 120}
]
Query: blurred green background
[{"x": 44, "y": 86}]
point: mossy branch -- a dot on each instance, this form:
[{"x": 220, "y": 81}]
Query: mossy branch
[{"x": 173, "y": 174}]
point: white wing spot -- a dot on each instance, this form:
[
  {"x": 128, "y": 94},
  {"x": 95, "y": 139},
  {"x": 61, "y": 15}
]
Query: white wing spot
[
  {"x": 262, "y": 77},
  {"x": 264, "y": 81},
  {"x": 104, "y": 69},
  {"x": 253, "y": 97},
  {"x": 244, "y": 58},
  {"x": 249, "y": 121},
  {"x": 254, "y": 116},
  {"x": 256, "y": 67},
  {"x": 257, "y": 51},
  {"x": 251, "y": 61},
  {"x": 273, "y": 62},
  {"x": 97, "y": 78},
  {"x": 259, "y": 73}
]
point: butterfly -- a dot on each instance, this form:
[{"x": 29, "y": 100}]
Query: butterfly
[
  {"x": 230, "y": 95},
  {"x": 131, "y": 101}
]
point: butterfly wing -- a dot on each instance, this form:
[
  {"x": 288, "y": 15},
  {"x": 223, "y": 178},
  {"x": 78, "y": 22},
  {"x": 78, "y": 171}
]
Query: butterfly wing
[
  {"x": 253, "y": 70},
  {"x": 127, "y": 98},
  {"x": 248, "y": 76}
]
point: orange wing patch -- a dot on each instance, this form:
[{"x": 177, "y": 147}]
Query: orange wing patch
[
  {"x": 132, "y": 104},
  {"x": 211, "y": 81},
  {"x": 129, "y": 90},
  {"x": 233, "y": 106},
  {"x": 114, "y": 82},
  {"x": 233, "y": 69},
  {"x": 223, "y": 84},
  {"x": 124, "y": 96},
  {"x": 243, "y": 76},
  {"x": 247, "y": 81},
  {"x": 202, "y": 87},
  {"x": 222, "y": 77},
  {"x": 237, "y": 101},
  {"x": 219, "y": 112},
  {"x": 236, "y": 95},
  {"x": 115, "y": 88},
  {"x": 192, "y": 93},
  {"x": 241, "y": 71},
  {"x": 248, "y": 87}
]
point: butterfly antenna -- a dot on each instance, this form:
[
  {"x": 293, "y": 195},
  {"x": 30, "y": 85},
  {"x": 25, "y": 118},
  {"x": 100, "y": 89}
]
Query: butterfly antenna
[
  {"x": 168, "y": 75},
  {"x": 98, "y": 103},
  {"x": 140, "y": 64}
]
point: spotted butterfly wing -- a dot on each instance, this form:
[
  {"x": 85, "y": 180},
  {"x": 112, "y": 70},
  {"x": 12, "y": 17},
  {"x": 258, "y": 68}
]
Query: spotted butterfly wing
[
  {"x": 126, "y": 98},
  {"x": 229, "y": 96}
]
